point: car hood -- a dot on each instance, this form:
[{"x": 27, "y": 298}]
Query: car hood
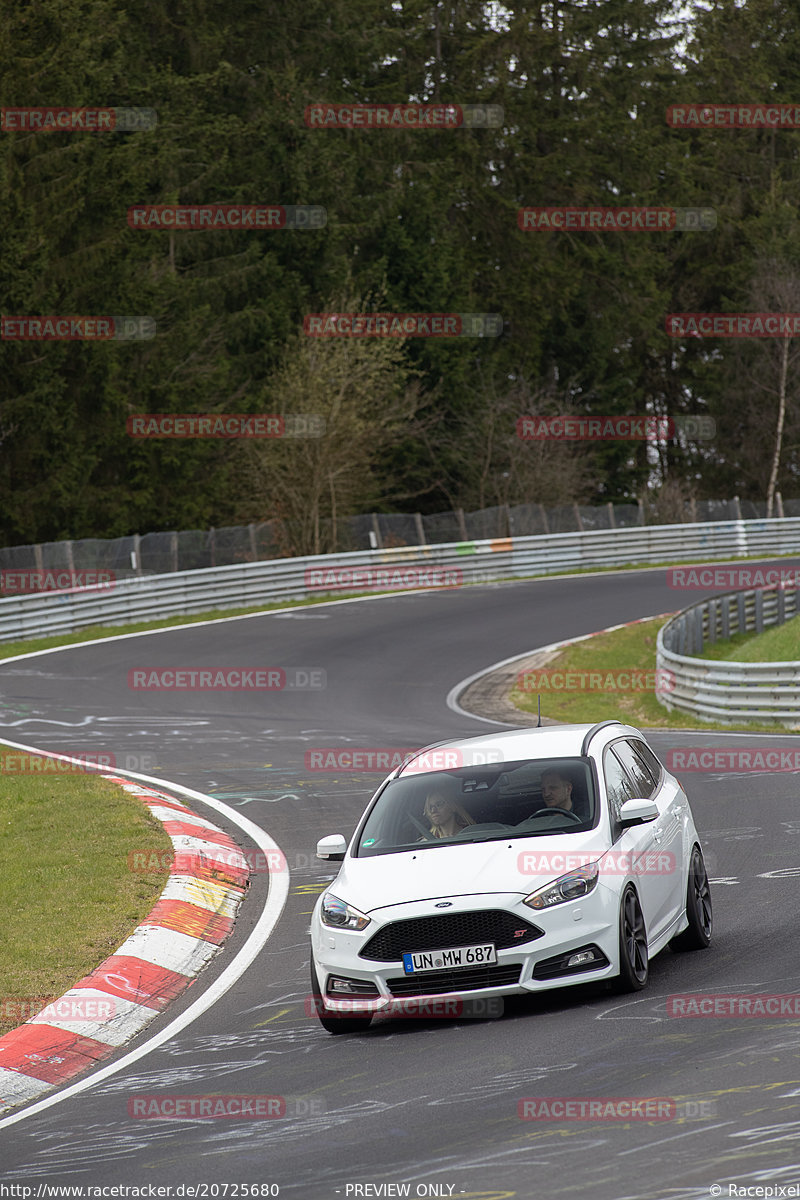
[{"x": 521, "y": 865}]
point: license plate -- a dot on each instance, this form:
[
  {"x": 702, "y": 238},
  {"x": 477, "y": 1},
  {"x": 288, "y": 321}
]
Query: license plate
[{"x": 417, "y": 962}]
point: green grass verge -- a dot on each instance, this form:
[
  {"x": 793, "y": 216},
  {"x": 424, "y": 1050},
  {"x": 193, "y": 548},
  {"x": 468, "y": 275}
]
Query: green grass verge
[
  {"x": 69, "y": 897},
  {"x": 630, "y": 648},
  {"x": 779, "y": 644}
]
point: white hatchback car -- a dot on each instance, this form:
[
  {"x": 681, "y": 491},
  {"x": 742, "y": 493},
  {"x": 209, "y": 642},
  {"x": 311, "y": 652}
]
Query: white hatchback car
[{"x": 509, "y": 864}]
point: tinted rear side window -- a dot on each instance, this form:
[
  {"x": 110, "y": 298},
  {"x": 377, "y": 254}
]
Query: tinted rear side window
[
  {"x": 633, "y": 762},
  {"x": 618, "y": 785},
  {"x": 649, "y": 757}
]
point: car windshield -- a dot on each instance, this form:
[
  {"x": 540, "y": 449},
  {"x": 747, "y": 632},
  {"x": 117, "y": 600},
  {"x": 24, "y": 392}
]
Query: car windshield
[{"x": 480, "y": 804}]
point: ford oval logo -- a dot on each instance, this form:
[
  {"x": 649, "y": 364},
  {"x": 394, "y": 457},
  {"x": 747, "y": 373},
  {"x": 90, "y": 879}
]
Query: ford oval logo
[{"x": 444, "y": 904}]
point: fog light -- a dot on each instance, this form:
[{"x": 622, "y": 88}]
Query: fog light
[
  {"x": 350, "y": 987},
  {"x": 573, "y": 962},
  {"x": 577, "y": 960}
]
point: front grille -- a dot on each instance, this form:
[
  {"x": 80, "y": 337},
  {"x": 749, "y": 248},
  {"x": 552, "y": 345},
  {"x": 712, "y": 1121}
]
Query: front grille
[
  {"x": 444, "y": 930},
  {"x": 435, "y": 983}
]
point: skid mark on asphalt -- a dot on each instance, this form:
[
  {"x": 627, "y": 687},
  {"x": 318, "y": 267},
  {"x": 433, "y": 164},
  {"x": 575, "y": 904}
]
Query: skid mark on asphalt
[
  {"x": 113, "y": 1142},
  {"x": 621, "y": 1010},
  {"x": 242, "y": 798},
  {"x": 500, "y": 1085},
  {"x": 184, "y": 1075},
  {"x": 98, "y": 1144}
]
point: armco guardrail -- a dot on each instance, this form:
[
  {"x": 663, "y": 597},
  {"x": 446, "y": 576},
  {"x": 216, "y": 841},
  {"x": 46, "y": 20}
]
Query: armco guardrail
[
  {"x": 729, "y": 691},
  {"x": 196, "y": 549},
  {"x": 182, "y": 593}
]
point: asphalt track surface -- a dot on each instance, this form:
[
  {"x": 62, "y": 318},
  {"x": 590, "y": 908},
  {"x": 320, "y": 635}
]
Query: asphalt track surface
[{"x": 431, "y": 1104}]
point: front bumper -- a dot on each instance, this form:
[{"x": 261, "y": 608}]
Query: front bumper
[{"x": 567, "y": 928}]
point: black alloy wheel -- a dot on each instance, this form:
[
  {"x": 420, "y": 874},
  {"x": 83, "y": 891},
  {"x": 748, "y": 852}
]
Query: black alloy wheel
[{"x": 634, "y": 965}]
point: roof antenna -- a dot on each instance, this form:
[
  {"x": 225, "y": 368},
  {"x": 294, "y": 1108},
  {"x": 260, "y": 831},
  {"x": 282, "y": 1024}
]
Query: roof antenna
[{"x": 539, "y": 708}]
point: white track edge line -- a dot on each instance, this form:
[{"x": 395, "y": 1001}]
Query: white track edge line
[
  {"x": 262, "y": 612},
  {"x": 256, "y": 940},
  {"x": 452, "y": 696},
  {"x": 293, "y": 608}
]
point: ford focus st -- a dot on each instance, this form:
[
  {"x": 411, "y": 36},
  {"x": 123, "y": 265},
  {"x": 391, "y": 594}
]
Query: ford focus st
[{"x": 509, "y": 864}]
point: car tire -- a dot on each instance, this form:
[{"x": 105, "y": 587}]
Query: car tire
[
  {"x": 698, "y": 908},
  {"x": 634, "y": 966},
  {"x": 329, "y": 1021}
]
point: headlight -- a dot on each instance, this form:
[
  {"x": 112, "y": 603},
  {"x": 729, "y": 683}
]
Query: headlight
[
  {"x": 336, "y": 913},
  {"x": 571, "y": 886}
]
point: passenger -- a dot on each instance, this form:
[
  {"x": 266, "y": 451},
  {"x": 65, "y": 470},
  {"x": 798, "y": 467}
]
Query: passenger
[
  {"x": 446, "y": 817},
  {"x": 556, "y": 790}
]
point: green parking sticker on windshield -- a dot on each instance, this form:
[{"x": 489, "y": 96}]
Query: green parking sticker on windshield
[{"x": 369, "y": 842}]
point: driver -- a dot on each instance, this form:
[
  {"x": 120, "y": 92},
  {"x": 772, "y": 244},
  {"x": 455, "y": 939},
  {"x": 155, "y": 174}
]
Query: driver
[
  {"x": 445, "y": 816},
  {"x": 556, "y": 790}
]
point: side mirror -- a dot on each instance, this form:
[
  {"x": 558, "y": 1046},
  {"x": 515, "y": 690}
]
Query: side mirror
[
  {"x": 332, "y": 848},
  {"x": 637, "y": 812}
]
